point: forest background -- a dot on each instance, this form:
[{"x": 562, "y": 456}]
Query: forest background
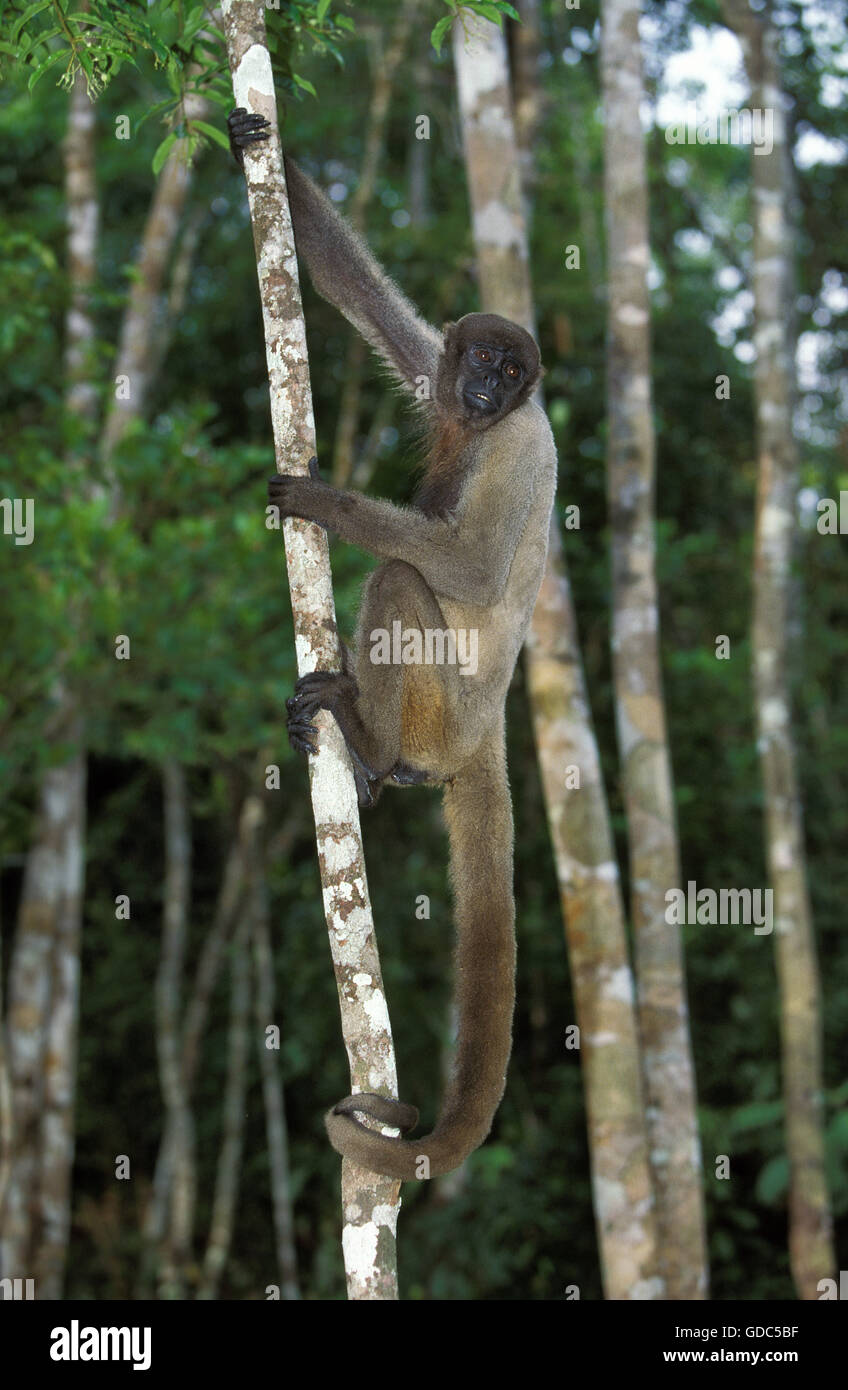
[{"x": 186, "y": 566}]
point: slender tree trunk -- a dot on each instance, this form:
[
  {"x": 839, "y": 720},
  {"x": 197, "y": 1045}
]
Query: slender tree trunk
[
  {"x": 812, "y": 1254},
  {"x": 229, "y": 1159},
  {"x": 385, "y": 71},
  {"x": 178, "y": 288},
  {"x": 143, "y": 323},
  {"x": 578, "y": 819},
  {"x": 640, "y": 711},
  {"x": 212, "y": 954},
  {"x": 44, "y": 973},
  {"x": 272, "y": 1089},
  {"x": 176, "y": 1247},
  {"x": 369, "y": 1202},
  {"x": 43, "y": 1005},
  {"x": 527, "y": 97}
]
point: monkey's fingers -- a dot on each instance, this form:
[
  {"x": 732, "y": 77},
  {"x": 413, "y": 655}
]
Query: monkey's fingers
[
  {"x": 243, "y": 122},
  {"x": 314, "y": 469},
  {"x": 304, "y": 704},
  {"x": 245, "y": 128}
]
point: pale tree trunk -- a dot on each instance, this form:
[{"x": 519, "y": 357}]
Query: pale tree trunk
[
  {"x": 370, "y": 1203},
  {"x": 527, "y": 97},
  {"x": 176, "y": 1245},
  {"x": 139, "y": 351},
  {"x": 640, "y": 711},
  {"x": 44, "y": 973},
  {"x": 385, "y": 69},
  {"x": 272, "y": 1089},
  {"x": 196, "y": 1014},
  {"x": 578, "y": 818},
  {"x": 178, "y": 288},
  {"x": 195, "y": 1017},
  {"x": 232, "y": 1143},
  {"x": 811, "y": 1249}
]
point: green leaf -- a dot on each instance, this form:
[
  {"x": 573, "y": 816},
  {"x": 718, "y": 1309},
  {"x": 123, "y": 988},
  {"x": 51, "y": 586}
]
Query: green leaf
[
  {"x": 213, "y": 132},
  {"x": 510, "y": 10},
  {"x": 27, "y": 15},
  {"x": 438, "y": 33},
  {"x": 489, "y": 12},
  {"x": 163, "y": 151},
  {"x": 48, "y": 62},
  {"x": 305, "y": 84},
  {"x": 773, "y": 1180},
  {"x": 165, "y": 105},
  {"x": 322, "y": 8},
  {"x": 758, "y": 1114}
]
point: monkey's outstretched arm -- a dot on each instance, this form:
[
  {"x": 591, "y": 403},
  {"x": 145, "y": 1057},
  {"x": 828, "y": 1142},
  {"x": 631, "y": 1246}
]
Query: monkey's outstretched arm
[
  {"x": 345, "y": 273},
  {"x": 458, "y": 560}
]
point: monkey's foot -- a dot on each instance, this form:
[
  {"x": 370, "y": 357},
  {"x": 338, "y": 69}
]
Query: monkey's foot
[
  {"x": 311, "y": 692},
  {"x": 320, "y": 685},
  {"x": 245, "y": 130},
  {"x": 405, "y": 776},
  {"x": 367, "y": 789}
]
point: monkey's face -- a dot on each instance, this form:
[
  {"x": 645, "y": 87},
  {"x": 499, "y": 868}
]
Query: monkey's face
[
  {"x": 488, "y": 367},
  {"x": 490, "y": 379}
]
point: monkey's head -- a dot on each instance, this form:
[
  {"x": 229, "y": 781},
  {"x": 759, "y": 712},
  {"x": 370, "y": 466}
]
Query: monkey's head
[{"x": 487, "y": 368}]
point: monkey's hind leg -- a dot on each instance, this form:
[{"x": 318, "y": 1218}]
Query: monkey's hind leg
[
  {"x": 326, "y": 690},
  {"x": 373, "y": 707}
]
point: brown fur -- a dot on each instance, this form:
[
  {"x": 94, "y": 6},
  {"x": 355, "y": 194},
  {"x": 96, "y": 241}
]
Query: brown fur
[
  {"x": 470, "y": 554},
  {"x": 441, "y": 485}
]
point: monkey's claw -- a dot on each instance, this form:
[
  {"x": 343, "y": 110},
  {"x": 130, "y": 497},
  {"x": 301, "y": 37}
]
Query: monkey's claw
[
  {"x": 302, "y": 737},
  {"x": 302, "y": 733}
]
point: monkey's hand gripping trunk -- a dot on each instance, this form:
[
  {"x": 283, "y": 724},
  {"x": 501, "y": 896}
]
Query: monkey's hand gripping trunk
[{"x": 479, "y": 818}]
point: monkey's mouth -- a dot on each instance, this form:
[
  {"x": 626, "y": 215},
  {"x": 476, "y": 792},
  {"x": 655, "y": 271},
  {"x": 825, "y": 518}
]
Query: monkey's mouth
[{"x": 479, "y": 400}]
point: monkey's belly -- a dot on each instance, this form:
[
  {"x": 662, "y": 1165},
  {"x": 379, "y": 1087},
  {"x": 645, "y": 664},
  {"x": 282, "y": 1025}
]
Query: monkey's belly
[
  {"x": 491, "y": 636},
  {"x": 425, "y": 718}
]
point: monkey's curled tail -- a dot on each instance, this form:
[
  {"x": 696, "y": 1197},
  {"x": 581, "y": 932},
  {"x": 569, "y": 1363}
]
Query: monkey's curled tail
[{"x": 478, "y": 812}]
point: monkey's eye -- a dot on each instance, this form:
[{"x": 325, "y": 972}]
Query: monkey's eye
[
  {"x": 482, "y": 354},
  {"x": 512, "y": 370}
]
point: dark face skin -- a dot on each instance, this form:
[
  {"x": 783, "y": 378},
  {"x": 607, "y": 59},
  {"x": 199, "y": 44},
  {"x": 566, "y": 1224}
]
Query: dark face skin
[{"x": 490, "y": 377}]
